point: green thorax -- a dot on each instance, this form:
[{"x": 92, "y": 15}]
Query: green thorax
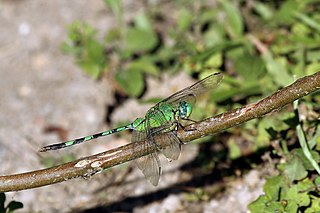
[{"x": 163, "y": 115}]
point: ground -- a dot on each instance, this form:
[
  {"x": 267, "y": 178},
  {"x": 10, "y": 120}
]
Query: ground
[{"x": 41, "y": 87}]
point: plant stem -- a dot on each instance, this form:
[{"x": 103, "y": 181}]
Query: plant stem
[{"x": 90, "y": 165}]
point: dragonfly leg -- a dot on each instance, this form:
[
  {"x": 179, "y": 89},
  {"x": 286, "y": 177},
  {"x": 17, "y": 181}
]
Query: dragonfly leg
[
  {"x": 188, "y": 119},
  {"x": 190, "y": 130},
  {"x": 180, "y": 141},
  {"x": 178, "y": 124},
  {"x": 183, "y": 127},
  {"x": 176, "y": 128}
]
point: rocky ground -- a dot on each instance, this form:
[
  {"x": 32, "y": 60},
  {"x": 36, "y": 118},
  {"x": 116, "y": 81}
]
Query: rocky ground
[{"x": 41, "y": 87}]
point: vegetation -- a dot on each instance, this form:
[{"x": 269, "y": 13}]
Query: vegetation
[
  {"x": 260, "y": 46},
  {"x": 10, "y": 207}
]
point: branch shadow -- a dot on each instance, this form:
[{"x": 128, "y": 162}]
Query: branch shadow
[{"x": 216, "y": 175}]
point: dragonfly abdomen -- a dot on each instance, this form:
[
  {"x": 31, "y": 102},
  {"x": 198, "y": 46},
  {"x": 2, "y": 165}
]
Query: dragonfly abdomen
[{"x": 84, "y": 139}]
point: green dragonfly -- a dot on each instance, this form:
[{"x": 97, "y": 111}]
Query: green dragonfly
[{"x": 163, "y": 118}]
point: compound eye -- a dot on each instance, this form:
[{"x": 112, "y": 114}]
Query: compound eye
[
  {"x": 188, "y": 110},
  {"x": 185, "y": 110}
]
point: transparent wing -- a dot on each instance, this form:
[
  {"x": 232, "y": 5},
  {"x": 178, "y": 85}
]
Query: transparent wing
[
  {"x": 173, "y": 150},
  {"x": 164, "y": 134},
  {"x": 190, "y": 93},
  {"x": 149, "y": 164},
  {"x": 156, "y": 130},
  {"x": 150, "y": 167}
]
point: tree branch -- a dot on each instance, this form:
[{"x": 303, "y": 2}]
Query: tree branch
[{"x": 88, "y": 166}]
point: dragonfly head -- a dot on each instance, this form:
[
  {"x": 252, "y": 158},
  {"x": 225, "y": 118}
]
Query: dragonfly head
[{"x": 185, "y": 110}]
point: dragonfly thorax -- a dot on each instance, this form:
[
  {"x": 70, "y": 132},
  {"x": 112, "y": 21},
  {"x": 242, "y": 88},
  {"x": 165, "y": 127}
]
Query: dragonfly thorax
[{"x": 184, "y": 110}]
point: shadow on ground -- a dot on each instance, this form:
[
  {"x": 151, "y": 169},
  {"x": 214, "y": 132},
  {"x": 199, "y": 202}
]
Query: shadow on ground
[{"x": 199, "y": 180}]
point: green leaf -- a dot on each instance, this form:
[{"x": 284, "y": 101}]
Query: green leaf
[
  {"x": 300, "y": 29},
  {"x": 312, "y": 68},
  {"x": 303, "y": 141},
  {"x": 79, "y": 31},
  {"x": 291, "y": 206},
  {"x": 113, "y": 4},
  {"x": 88, "y": 51},
  {"x": 113, "y": 36},
  {"x": 313, "y": 56},
  {"x": 234, "y": 149},
  {"x": 140, "y": 40},
  {"x": 294, "y": 195},
  {"x": 184, "y": 19},
  {"x": 306, "y": 163},
  {"x": 305, "y": 185},
  {"x": 285, "y": 15},
  {"x": 214, "y": 61},
  {"x": 272, "y": 187},
  {"x": 317, "y": 181},
  {"x": 308, "y": 21},
  {"x": 2, "y": 201},
  {"x": 142, "y": 22},
  {"x": 91, "y": 68},
  {"x": 116, "y": 7},
  {"x": 294, "y": 168},
  {"x": 95, "y": 51},
  {"x": 95, "y": 58},
  {"x": 250, "y": 67},
  {"x": 205, "y": 55},
  {"x": 277, "y": 70},
  {"x": 14, "y": 205},
  {"x": 263, "y": 10},
  {"x": 214, "y": 36},
  {"x": 263, "y": 138},
  {"x": 234, "y": 22},
  {"x": 144, "y": 65},
  {"x": 279, "y": 197},
  {"x": 263, "y": 204},
  {"x": 131, "y": 81},
  {"x": 315, "y": 206}
]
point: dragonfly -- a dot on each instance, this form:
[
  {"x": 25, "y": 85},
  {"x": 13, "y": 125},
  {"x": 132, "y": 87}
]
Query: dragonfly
[{"x": 160, "y": 124}]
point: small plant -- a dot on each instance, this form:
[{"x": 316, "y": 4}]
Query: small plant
[
  {"x": 296, "y": 188},
  {"x": 11, "y": 207},
  {"x": 261, "y": 46}
]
